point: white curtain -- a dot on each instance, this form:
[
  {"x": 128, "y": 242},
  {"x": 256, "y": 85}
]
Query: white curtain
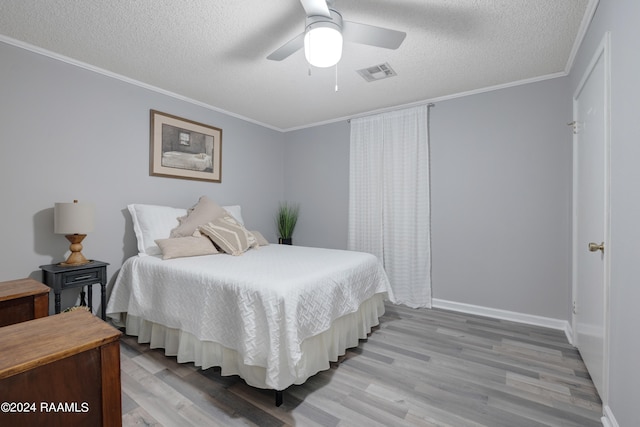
[{"x": 389, "y": 201}]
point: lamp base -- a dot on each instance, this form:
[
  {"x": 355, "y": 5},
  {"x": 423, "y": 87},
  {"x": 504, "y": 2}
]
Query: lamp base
[{"x": 76, "y": 258}]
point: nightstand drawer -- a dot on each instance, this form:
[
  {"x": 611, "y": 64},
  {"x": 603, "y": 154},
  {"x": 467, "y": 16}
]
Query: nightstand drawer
[{"x": 84, "y": 277}]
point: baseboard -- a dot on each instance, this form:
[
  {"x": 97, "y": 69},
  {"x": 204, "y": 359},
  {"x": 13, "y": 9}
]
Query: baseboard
[
  {"x": 608, "y": 420},
  {"x": 513, "y": 316}
]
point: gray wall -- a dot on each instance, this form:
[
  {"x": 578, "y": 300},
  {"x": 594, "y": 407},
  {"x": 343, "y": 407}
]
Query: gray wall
[
  {"x": 68, "y": 133},
  {"x": 501, "y": 199},
  {"x": 623, "y": 23},
  {"x": 501, "y": 196},
  {"x": 317, "y": 177}
]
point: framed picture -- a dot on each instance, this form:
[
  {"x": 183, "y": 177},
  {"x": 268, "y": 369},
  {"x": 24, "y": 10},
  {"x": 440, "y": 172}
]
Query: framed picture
[{"x": 182, "y": 148}]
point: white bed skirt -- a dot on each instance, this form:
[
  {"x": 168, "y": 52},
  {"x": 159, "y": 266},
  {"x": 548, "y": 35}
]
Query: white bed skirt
[{"x": 317, "y": 351}]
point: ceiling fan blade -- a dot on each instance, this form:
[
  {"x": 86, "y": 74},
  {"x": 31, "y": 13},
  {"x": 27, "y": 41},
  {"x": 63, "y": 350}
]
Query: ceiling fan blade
[
  {"x": 316, "y": 8},
  {"x": 371, "y": 35},
  {"x": 288, "y": 48}
]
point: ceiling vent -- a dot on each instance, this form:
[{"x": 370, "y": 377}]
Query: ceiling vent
[{"x": 377, "y": 72}]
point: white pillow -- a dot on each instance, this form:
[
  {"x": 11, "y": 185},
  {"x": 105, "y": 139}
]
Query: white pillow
[
  {"x": 235, "y": 212},
  {"x": 152, "y": 222}
]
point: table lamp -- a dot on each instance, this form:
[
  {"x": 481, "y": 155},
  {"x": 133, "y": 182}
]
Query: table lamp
[{"x": 74, "y": 220}]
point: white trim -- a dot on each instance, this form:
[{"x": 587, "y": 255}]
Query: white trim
[
  {"x": 513, "y": 316},
  {"x": 568, "y": 331},
  {"x": 582, "y": 32},
  {"x": 107, "y": 73},
  {"x": 71, "y": 61},
  {"x": 608, "y": 420},
  {"x": 433, "y": 100}
]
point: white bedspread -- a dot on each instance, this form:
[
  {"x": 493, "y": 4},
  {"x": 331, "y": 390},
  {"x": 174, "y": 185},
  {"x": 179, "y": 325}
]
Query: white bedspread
[{"x": 262, "y": 304}]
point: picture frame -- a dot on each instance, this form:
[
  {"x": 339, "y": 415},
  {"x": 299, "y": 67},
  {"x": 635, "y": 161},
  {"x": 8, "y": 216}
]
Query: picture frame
[{"x": 181, "y": 148}]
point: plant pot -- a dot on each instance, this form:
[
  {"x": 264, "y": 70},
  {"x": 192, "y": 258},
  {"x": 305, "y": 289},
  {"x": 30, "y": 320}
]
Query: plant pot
[{"x": 285, "y": 241}]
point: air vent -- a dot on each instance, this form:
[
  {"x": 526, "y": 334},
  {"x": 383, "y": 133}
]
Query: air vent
[{"x": 377, "y": 72}]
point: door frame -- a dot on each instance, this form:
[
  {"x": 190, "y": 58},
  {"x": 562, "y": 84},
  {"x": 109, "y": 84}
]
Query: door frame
[{"x": 603, "y": 51}]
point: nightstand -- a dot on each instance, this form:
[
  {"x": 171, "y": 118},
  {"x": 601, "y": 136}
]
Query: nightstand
[{"x": 60, "y": 278}]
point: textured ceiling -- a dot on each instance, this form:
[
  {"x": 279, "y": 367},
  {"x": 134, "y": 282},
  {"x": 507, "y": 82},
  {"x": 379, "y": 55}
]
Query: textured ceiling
[{"x": 214, "y": 52}]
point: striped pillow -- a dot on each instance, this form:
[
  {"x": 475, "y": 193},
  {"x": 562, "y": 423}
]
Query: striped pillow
[{"x": 229, "y": 235}]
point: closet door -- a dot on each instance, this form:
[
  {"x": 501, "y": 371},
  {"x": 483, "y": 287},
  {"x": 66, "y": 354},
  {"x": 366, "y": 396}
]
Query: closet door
[{"x": 591, "y": 217}]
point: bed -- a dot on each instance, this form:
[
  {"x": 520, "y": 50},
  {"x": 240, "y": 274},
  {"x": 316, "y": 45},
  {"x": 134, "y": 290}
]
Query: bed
[
  {"x": 191, "y": 161},
  {"x": 275, "y": 315}
]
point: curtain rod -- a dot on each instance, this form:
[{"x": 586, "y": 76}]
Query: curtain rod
[{"x": 429, "y": 105}]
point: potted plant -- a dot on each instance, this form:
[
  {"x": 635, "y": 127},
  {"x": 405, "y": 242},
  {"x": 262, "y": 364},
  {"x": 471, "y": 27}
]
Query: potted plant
[{"x": 286, "y": 220}]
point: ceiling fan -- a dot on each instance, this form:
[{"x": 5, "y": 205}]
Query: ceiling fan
[{"x": 325, "y": 31}]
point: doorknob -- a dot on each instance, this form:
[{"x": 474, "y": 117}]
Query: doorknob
[{"x": 596, "y": 247}]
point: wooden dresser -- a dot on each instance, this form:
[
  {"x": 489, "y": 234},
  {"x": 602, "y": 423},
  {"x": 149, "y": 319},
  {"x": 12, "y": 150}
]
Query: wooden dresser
[
  {"x": 60, "y": 370},
  {"x": 22, "y": 300}
]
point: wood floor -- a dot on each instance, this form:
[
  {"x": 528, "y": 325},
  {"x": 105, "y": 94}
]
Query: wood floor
[{"x": 418, "y": 368}]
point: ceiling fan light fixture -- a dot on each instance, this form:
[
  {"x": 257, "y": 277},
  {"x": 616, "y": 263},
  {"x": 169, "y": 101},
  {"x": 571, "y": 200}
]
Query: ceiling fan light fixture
[{"x": 323, "y": 44}]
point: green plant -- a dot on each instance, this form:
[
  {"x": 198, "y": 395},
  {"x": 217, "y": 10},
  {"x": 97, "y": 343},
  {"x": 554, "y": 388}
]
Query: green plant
[{"x": 287, "y": 218}]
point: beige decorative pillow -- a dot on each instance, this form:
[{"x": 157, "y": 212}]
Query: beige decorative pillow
[
  {"x": 260, "y": 238},
  {"x": 179, "y": 247},
  {"x": 229, "y": 235},
  {"x": 204, "y": 211}
]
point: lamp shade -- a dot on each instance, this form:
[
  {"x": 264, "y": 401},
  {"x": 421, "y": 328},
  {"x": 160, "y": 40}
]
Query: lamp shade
[
  {"x": 73, "y": 218},
  {"x": 323, "y": 44}
]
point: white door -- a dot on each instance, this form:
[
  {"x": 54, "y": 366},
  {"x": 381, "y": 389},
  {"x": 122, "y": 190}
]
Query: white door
[{"x": 591, "y": 216}]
